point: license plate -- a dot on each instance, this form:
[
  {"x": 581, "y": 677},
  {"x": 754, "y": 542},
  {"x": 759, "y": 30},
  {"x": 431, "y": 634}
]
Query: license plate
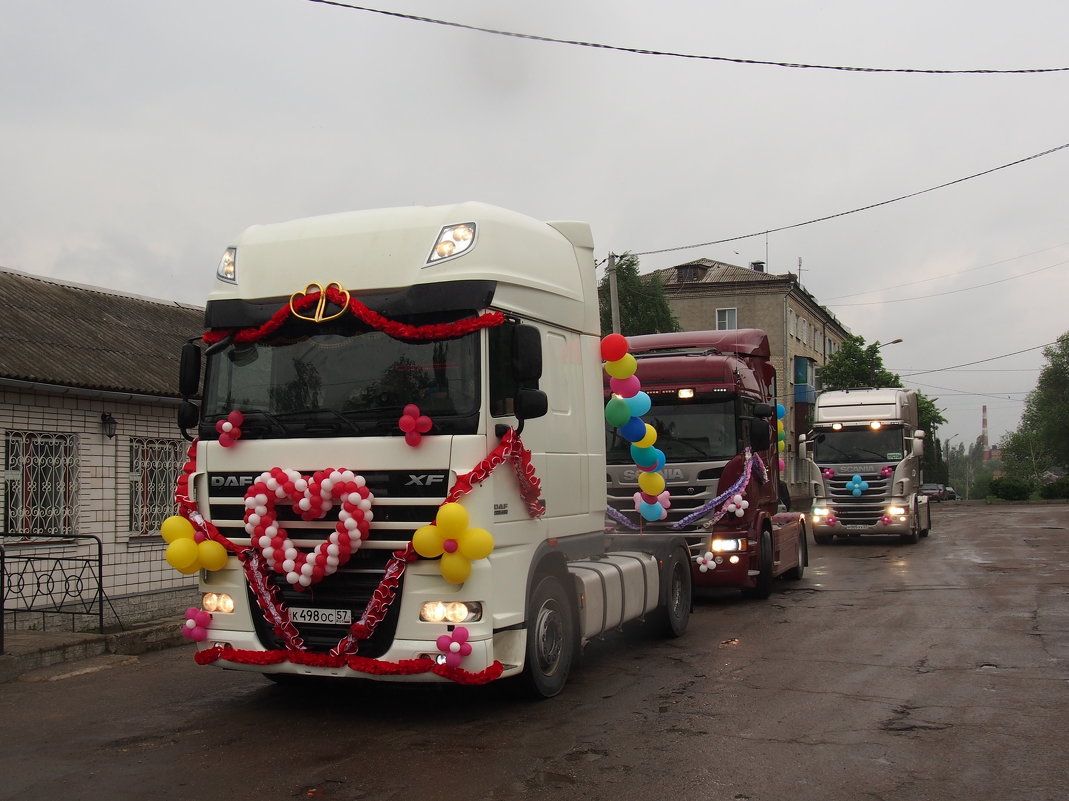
[{"x": 324, "y": 617}]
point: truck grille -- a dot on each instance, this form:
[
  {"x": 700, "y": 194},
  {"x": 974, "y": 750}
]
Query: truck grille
[
  {"x": 401, "y": 506},
  {"x": 859, "y": 510}
]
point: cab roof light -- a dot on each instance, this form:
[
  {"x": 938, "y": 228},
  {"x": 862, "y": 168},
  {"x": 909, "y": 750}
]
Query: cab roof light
[
  {"x": 453, "y": 241},
  {"x": 228, "y": 266}
]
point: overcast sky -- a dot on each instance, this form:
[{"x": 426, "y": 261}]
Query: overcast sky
[{"x": 138, "y": 139}]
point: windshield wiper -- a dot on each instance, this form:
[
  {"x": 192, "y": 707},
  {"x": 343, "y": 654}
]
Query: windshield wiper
[{"x": 335, "y": 421}]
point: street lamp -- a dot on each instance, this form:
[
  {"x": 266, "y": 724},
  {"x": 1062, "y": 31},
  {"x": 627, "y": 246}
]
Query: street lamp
[{"x": 877, "y": 349}]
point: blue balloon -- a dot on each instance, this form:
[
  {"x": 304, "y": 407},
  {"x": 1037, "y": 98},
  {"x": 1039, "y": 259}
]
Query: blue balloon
[
  {"x": 781, "y": 411},
  {"x": 644, "y": 457},
  {"x": 633, "y": 430},
  {"x": 639, "y": 403},
  {"x": 650, "y": 511}
]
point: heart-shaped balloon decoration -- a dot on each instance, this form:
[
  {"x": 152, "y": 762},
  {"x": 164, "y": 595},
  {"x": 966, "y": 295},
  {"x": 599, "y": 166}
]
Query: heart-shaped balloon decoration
[{"x": 312, "y": 498}]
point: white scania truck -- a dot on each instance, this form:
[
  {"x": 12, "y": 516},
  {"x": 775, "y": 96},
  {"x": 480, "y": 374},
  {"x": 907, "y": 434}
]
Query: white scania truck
[
  {"x": 480, "y": 326},
  {"x": 864, "y": 462}
]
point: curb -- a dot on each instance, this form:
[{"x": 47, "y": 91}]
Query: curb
[{"x": 44, "y": 651}]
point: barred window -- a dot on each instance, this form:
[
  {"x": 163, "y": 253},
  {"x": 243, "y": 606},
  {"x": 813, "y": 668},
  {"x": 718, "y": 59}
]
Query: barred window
[
  {"x": 155, "y": 465},
  {"x": 40, "y": 483}
]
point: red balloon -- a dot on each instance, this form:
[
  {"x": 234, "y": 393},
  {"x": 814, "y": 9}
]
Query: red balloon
[
  {"x": 413, "y": 438},
  {"x": 236, "y": 417},
  {"x": 613, "y": 347}
]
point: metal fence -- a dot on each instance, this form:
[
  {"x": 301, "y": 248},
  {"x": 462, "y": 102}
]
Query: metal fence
[{"x": 44, "y": 578}]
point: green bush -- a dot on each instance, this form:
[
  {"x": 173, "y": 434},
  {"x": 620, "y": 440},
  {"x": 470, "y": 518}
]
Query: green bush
[
  {"x": 1059, "y": 488},
  {"x": 1009, "y": 488}
]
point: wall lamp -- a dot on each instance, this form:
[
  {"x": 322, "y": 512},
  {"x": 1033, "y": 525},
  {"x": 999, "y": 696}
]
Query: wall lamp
[{"x": 110, "y": 424}]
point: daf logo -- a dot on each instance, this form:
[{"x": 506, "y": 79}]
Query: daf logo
[
  {"x": 424, "y": 480},
  {"x": 231, "y": 481}
]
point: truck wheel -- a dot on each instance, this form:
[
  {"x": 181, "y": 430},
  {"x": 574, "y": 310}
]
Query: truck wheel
[
  {"x": 550, "y": 639},
  {"x": 796, "y": 573},
  {"x": 671, "y": 619},
  {"x": 763, "y": 588},
  {"x": 914, "y": 532},
  {"x": 823, "y": 539}
]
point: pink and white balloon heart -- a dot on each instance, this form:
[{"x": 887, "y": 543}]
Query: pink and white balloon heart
[{"x": 312, "y": 498}]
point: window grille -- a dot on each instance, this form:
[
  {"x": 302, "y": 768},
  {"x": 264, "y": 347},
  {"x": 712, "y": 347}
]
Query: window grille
[
  {"x": 40, "y": 484},
  {"x": 154, "y": 468}
]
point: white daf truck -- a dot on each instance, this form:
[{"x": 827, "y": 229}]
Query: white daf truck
[
  {"x": 864, "y": 462},
  {"x": 399, "y": 441}
]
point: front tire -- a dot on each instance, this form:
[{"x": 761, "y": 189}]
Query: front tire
[
  {"x": 796, "y": 573},
  {"x": 763, "y": 588},
  {"x": 551, "y": 640}
]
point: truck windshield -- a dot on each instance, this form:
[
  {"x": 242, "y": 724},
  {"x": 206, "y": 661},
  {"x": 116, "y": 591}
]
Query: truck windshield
[
  {"x": 853, "y": 445},
  {"x": 687, "y": 431},
  {"x": 341, "y": 380}
]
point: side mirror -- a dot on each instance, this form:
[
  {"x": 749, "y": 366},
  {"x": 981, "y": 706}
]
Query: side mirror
[
  {"x": 760, "y": 434},
  {"x": 188, "y": 417},
  {"x": 526, "y": 354},
  {"x": 918, "y": 443},
  {"x": 531, "y": 403},
  {"x": 765, "y": 410},
  {"x": 189, "y": 371}
]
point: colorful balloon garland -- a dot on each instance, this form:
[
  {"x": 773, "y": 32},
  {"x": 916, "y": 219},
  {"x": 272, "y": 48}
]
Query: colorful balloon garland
[{"x": 624, "y": 410}]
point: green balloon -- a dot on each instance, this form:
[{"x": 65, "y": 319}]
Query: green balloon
[{"x": 617, "y": 412}]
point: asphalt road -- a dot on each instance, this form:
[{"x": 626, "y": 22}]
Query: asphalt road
[{"x": 893, "y": 672}]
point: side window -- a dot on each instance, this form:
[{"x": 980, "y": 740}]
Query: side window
[{"x": 502, "y": 382}]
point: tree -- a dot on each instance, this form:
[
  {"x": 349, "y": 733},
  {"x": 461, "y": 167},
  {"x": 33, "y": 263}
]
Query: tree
[
  {"x": 644, "y": 307},
  {"x": 1043, "y": 423},
  {"x": 857, "y": 365},
  {"x": 1026, "y": 455}
]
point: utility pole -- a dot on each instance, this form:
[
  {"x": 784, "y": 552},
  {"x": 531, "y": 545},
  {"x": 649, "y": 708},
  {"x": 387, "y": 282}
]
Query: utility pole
[{"x": 614, "y": 298}]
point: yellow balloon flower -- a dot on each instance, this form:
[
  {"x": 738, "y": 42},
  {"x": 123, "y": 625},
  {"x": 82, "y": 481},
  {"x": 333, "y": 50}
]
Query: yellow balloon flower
[
  {"x": 176, "y": 527},
  {"x": 451, "y": 539}
]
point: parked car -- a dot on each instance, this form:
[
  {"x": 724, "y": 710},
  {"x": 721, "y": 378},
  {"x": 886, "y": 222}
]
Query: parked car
[
  {"x": 951, "y": 494},
  {"x": 935, "y": 492}
]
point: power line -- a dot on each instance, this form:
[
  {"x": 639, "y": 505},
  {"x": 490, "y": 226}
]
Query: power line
[
  {"x": 950, "y": 291},
  {"x": 852, "y": 211},
  {"x": 979, "y": 361},
  {"x": 647, "y": 52},
  {"x": 950, "y": 275}
]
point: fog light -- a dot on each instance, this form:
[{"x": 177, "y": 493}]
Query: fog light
[{"x": 733, "y": 559}]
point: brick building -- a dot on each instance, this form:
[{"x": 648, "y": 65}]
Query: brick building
[
  {"x": 705, "y": 294},
  {"x": 90, "y": 444}
]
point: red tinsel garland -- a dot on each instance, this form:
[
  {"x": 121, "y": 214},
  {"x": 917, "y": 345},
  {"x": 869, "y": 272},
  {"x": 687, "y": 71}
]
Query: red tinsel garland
[
  {"x": 510, "y": 449},
  {"x": 360, "y": 664},
  {"x": 436, "y": 332}
]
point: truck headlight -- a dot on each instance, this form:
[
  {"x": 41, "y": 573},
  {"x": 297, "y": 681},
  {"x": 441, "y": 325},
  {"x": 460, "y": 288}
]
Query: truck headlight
[
  {"x": 451, "y": 612},
  {"x": 217, "y": 602},
  {"x": 895, "y": 511},
  {"x": 727, "y": 546},
  {"x": 819, "y": 512},
  {"x": 452, "y": 241}
]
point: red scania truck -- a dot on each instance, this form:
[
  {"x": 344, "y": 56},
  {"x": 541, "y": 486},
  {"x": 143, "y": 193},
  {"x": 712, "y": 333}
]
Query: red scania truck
[{"x": 712, "y": 404}]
